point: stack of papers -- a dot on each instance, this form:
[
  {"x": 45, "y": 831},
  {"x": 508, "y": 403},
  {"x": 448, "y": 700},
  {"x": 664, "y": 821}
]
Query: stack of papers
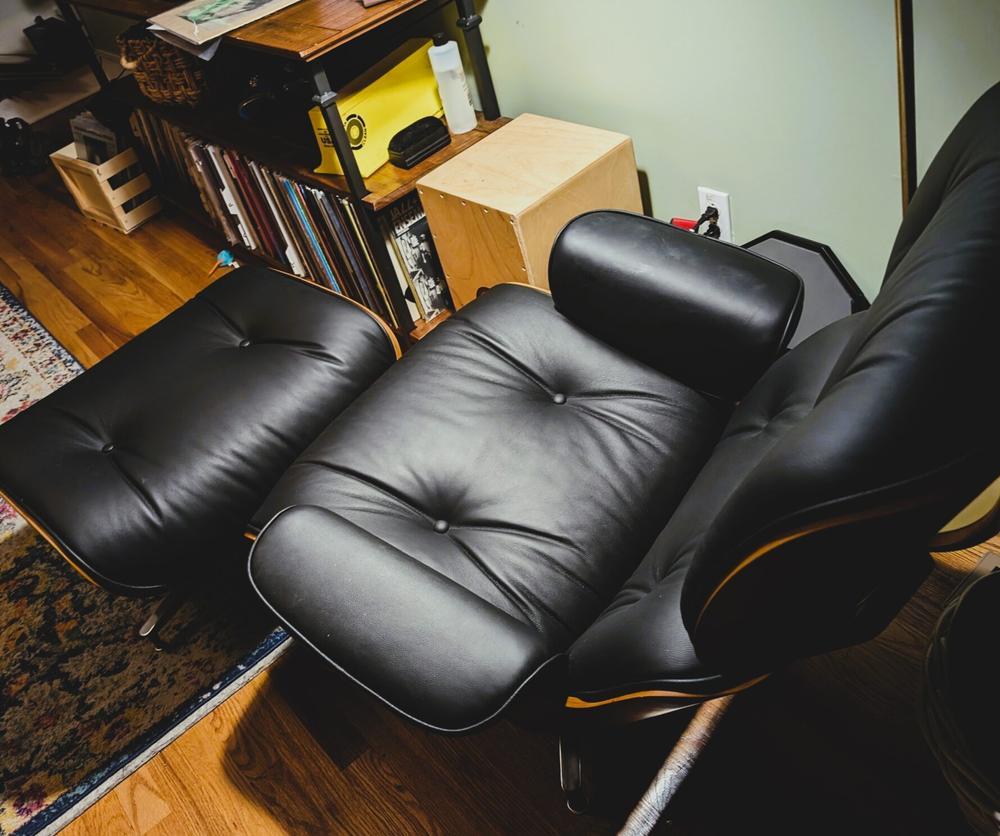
[{"x": 196, "y": 26}]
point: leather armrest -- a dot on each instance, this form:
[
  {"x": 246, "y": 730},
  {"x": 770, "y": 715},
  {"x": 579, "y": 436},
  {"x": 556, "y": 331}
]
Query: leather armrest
[
  {"x": 422, "y": 643},
  {"x": 712, "y": 315}
]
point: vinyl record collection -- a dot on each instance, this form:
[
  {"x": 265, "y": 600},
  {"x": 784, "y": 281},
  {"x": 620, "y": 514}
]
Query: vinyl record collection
[{"x": 309, "y": 231}]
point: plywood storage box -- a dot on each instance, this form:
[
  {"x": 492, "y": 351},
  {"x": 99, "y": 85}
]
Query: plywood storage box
[{"x": 495, "y": 209}]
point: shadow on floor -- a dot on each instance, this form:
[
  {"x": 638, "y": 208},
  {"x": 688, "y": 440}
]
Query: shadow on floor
[
  {"x": 792, "y": 756},
  {"x": 318, "y": 753}
]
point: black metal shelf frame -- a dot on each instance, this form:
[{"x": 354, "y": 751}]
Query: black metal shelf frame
[{"x": 326, "y": 98}]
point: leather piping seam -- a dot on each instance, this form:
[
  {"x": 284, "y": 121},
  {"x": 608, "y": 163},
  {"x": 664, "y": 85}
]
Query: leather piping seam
[
  {"x": 378, "y": 320},
  {"x": 299, "y": 635},
  {"x": 578, "y": 703},
  {"x": 804, "y": 531}
]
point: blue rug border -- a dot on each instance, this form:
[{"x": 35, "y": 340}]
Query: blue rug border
[
  {"x": 65, "y": 355},
  {"x": 64, "y": 802},
  {"x": 145, "y": 741}
]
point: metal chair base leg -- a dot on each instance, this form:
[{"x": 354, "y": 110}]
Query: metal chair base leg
[
  {"x": 161, "y": 614},
  {"x": 571, "y": 776},
  {"x": 654, "y": 804}
]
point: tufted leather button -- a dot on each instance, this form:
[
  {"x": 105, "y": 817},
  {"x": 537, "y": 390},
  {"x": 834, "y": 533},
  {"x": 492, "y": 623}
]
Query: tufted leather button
[
  {"x": 559, "y": 397},
  {"x": 441, "y": 526},
  {"x": 244, "y": 343},
  {"x": 107, "y": 448}
]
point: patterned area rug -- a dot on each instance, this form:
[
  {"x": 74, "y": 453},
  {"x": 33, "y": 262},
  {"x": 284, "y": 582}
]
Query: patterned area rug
[
  {"x": 32, "y": 364},
  {"x": 83, "y": 702}
]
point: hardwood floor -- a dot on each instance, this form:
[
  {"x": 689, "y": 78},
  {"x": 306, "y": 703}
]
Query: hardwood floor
[
  {"x": 829, "y": 746},
  {"x": 91, "y": 286}
]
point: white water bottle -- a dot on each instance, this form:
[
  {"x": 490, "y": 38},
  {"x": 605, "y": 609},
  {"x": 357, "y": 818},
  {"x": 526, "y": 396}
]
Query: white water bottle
[{"x": 450, "y": 74}]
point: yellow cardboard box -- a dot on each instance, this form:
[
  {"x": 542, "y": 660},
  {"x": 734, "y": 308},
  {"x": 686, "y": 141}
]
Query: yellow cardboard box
[{"x": 392, "y": 95}]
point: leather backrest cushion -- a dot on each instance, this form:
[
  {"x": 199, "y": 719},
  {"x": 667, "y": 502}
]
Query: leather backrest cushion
[
  {"x": 971, "y": 143},
  {"x": 897, "y": 425},
  {"x": 711, "y": 315}
]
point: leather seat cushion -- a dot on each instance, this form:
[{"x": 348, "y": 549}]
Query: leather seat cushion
[
  {"x": 150, "y": 464},
  {"x": 511, "y": 453}
]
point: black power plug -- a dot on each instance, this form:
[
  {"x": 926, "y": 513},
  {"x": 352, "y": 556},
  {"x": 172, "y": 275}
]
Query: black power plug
[{"x": 711, "y": 216}]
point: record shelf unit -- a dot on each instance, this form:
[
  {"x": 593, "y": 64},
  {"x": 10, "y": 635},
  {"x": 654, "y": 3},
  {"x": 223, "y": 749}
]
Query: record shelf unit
[{"x": 309, "y": 32}]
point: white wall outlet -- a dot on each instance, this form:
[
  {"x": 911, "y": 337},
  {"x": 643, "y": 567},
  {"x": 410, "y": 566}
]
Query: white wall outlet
[{"x": 720, "y": 200}]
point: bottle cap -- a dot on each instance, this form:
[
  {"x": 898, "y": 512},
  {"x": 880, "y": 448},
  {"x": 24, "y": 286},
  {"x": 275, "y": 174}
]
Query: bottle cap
[{"x": 440, "y": 39}]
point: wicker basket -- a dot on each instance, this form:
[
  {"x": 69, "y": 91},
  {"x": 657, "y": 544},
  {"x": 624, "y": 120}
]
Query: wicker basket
[{"x": 164, "y": 73}]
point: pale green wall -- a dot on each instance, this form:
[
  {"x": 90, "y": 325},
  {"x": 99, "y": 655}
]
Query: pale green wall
[
  {"x": 956, "y": 46},
  {"x": 14, "y": 16},
  {"x": 797, "y": 117}
]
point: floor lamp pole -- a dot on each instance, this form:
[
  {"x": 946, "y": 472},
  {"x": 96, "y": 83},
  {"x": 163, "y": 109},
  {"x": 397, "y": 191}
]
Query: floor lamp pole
[{"x": 907, "y": 121}]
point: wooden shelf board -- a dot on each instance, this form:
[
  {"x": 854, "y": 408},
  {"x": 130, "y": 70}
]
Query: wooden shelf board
[
  {"x": 422, "y": 327},
  {"x": 389, "y": 183},
  {"x": 212, "y": 123},
  {"x": 304, "y": 31},
  {"x": 312, "y": 28}
]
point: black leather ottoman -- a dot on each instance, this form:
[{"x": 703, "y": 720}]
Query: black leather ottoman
[{"x": 145, "y": 470}]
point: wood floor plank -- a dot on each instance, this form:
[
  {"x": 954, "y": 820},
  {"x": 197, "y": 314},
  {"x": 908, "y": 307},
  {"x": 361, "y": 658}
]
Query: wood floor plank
[
  {"x": 387, "y": 803},
  {"x": 189, "y": 267},
  {"x": 480, "y": 792},
  {"x": 99, "y": 343},
  {"x": 31, "y": 228},
  {"x": 144, "y": 808},
  {"x": 114, "y": 280},
  {"x": 120, "y": 295},
  {"x": 109, "y": 820},
  {"x": 64, "y": 320}
]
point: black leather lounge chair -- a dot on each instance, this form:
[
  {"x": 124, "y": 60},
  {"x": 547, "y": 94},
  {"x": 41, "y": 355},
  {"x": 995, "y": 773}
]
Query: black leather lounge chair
[{"x": 625, "y": 496}]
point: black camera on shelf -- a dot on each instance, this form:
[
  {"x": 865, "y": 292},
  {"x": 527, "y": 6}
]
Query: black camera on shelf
[
  {"x": 22, "y": 149},
  {"x": 57, "y": 43}
]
